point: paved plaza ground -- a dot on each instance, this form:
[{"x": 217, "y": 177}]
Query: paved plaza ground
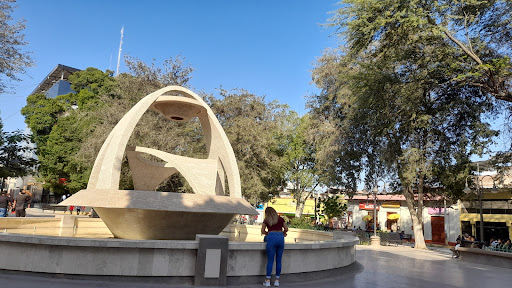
[{"x": 392, "y": 267}]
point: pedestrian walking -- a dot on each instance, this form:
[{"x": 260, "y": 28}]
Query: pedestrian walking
[{"x": 4, "y": 204}]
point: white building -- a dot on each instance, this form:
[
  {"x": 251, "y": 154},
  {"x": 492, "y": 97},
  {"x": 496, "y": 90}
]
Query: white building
[{"x": 437, "y": 224}]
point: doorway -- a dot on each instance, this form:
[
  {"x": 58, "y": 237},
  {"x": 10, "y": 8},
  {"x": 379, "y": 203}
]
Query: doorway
[{"x": 438, "y": 235}]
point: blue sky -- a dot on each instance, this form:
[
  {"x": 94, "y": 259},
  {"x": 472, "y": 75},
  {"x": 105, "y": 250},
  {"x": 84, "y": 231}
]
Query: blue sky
[{"x": 265, "y": 47}]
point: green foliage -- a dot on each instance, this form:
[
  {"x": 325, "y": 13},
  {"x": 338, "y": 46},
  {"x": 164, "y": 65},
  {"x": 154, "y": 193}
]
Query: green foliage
[
  {"x": 61, "y": 125},
  {"x": 41, "y": 114},
  {"x": 89, "y": 85},
  {"x": 298, "y": 159},
  {"x": 15, "y": 154},
  {"x": 13, "y": 60},
  {"x": 301, "y": 223},
  {"x": 332, "y": 206},
  {"x": 474, "y": 33},
  {"x": 252, "y": 127}
]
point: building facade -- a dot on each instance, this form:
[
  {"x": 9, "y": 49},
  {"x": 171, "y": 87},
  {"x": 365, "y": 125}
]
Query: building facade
[{"x": 440, "y": 225}]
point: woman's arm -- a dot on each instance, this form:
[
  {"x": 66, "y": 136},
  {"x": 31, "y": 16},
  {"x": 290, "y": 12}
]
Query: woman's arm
[
  {"x": 285, "y": 228},
  {"x": 263, "y": 227}
]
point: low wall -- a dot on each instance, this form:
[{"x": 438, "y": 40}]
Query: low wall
[
  {"x": 61, "y": 225},
  {"x": 167, "y": 258},
  {"x": 492, "y": 258},
  {"x": 252, "y": 233}
]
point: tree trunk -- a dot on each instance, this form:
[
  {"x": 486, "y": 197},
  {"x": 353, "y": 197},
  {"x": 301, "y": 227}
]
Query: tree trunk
[
  {"x": 419, "y": 239},
  {"x": 419, "y": 211},
  {"x": 299, "y": 209},
  {"x": 301, "y": 202}
]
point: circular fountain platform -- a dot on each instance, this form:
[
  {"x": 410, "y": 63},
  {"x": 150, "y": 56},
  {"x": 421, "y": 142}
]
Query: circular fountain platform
[{"x": 306, "y": 253}]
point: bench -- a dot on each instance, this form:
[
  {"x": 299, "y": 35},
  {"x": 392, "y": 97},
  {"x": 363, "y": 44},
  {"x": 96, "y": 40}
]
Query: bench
[
  {"x": 486, "y": 257},
  {"x": 389, "y": 239},
  {"x": 393, "y": 238},
  {"x": 471, "y": 244},
  {"x": 54, "y": 207},
  {"x": 407, "y": 237}
]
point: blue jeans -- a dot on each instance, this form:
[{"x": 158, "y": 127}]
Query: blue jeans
[
  {"x": 3, "y": 212},
  {"x": 275, "y": 248}
]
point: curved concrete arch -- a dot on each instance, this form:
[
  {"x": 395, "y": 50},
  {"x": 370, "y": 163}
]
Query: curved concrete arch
[
  {"x": 146, "y": 174},
  {"x": 201, "y": 174}
]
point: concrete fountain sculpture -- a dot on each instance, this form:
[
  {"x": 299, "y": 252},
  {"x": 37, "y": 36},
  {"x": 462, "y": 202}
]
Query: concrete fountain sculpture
[{"x": 146, "y": 214}]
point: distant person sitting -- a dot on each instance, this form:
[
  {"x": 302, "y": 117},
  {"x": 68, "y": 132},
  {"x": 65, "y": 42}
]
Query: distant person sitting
[
  {"x": 492, "y": 242},
  {"x": 402, "y": 235},
  {"x": 507, "y": 245}
]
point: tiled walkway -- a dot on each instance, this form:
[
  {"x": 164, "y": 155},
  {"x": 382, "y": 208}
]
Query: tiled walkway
[{"x": 392, "y": 267}]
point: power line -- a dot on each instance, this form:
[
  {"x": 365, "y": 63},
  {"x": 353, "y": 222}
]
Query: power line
[{"x": 12, "y": 114}]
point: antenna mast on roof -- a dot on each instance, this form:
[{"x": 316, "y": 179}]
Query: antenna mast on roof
[{"x": 119, "y": 56}]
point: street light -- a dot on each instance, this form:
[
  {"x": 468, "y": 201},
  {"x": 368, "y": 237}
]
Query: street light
[
  {"x": 375, "y": 191},
  {"x": 479, "y": 186},
  {"x": 314, "y": 196}
]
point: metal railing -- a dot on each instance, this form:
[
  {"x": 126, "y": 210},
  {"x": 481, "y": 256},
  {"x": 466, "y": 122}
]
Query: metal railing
[{"x": 500, "y": 248}]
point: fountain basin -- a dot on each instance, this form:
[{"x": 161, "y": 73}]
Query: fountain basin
[
  {"x": 133, "y": 214},
  {"x": 175, "y": 260}
]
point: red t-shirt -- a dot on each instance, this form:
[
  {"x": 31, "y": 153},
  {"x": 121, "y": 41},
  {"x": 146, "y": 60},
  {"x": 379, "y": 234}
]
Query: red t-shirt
[{"x": 276, "y": 227}]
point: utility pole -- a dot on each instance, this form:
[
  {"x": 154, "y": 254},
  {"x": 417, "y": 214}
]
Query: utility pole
[{"x": 120, "y": 48}]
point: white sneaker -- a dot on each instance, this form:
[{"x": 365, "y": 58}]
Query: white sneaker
[
  {"x": 276, "y": 283},
  {"x": 266, "y": 283}
]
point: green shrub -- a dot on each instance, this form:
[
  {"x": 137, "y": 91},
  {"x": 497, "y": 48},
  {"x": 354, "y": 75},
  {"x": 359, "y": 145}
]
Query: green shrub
[{"x": 301, "y": 223}]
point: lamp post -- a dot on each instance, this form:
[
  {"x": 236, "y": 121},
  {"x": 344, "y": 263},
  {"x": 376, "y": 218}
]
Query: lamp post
[
  {"x": 316, "y": 219},
  {"x": 479, "y": 186},
  {"x": 375, "y": 240}
]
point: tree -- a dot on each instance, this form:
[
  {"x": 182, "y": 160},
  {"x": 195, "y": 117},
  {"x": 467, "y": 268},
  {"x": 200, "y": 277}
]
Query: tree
[
  {"x": 403, "y": 118},
  {"x": 338, "y": 154},
  {"x": 60, "y": 125},
  {"x": 300, "y": 169},
  {"x": 15, "y": 155},
  {"x": 332, "y": 206},
  {"x": 13, "y": 60},
  {"x": 252, "y": 126},
  {"x": 41, "y": 114},
  {"x": 476, "y": 33}
]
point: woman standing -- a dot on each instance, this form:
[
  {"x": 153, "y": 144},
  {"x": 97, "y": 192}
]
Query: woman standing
[{"x": 275, "y": 227}]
